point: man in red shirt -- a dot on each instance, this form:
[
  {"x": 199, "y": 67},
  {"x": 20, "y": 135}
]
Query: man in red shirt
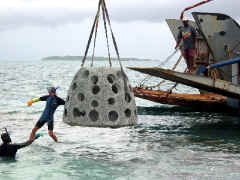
[{"x": 187, "y": 33}]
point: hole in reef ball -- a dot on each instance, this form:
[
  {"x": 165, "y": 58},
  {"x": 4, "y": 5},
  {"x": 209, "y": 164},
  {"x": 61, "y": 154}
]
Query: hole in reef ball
[
  {"x": 67, "y": 98},
  {"x": 94, "y": 103},
  {"x": 81, "y": 97},
  {"x": 95, "y": 89},
  {"x": 128, "y": 97},
  {"x": 111, "y": 101},
  {"x": 115, "y": 88},
  {"x": 111, "y": 78},
  {"x": 77, "y": 113},
  {"x": 65, "y": 112},
  {"x": 127, "y": 113},
  {"x": 94, "y": 79},
  {"x": 74, "y": 86},
  {"x": 119, "y": 74},
  {"x": 113, "y": 116},
  {"x": 85, "y": 74},
  {"x": 94, "y": 115}
]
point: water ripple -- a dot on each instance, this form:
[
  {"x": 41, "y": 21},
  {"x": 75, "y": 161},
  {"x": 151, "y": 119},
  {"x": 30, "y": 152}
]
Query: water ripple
[{"x": 169, "y": 142}]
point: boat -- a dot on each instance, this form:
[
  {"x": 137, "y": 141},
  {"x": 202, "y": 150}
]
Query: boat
[
  {"x": 203, "y": 102},
  {"x": 217, "y": 44}
]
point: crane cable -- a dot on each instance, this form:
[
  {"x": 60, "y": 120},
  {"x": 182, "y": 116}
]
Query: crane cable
[
  {"x": 95, "y": 37},
  {"x": 148, "y": 77},
  {"x": 106, "y": 19},
  {"x": 91, "y": 34},
  {"x": 163, "y": 81}
]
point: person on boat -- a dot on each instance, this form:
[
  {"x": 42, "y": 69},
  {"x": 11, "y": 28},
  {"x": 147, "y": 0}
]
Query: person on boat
[
  {"x": 187, "y": 33},
  {"x": 52, "y": 102},
  {"x": 9, "y": 149}
]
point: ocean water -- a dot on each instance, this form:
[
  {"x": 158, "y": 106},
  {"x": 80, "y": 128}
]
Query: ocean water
[{"x": 168, "y": 142}]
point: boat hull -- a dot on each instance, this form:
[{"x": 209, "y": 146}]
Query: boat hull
[{"x": 208, "y": 101}]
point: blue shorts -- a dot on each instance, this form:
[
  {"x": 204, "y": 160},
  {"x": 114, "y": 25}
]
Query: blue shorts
[{"x": 40, "y": 123}]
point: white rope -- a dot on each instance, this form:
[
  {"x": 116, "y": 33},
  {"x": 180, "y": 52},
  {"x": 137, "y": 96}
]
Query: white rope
[{"x": 148, "y": 77}]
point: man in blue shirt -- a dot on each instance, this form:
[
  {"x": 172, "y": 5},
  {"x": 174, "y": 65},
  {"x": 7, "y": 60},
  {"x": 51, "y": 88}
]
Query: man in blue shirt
[
  {"x": 52, "y": 102},
  {"x": 187, "y": 33}
]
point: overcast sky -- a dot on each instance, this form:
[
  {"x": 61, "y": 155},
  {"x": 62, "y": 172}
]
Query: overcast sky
[{"x": 32, "y": 29}]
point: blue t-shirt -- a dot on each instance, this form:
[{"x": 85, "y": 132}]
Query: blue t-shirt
[
  {"x": 51, "y": 105},
  {"x": 188, "y": 34}
]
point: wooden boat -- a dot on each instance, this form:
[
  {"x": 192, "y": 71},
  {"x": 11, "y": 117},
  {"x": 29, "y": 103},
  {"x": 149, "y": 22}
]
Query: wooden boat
[{"x": 207, "y": 101}]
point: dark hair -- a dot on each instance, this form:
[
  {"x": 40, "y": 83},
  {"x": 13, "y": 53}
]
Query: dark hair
[
  {"x": 51, "y": 90},
  {"x": 6, "y": 138}
]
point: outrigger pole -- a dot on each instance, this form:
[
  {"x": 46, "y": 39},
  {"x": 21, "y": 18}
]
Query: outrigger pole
[{"x": 195, "y": 5}]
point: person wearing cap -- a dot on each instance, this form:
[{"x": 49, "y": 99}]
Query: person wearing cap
[
  {"x": 52, "y": 102},
  {"x": 8, "y": 149},
  {"x": 187, "y": 33}
]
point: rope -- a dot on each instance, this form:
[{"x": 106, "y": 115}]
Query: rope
[
  {"x": 125, "y": 78},
  {"x": 163, "y": 81},
  {"x": 148, "y": 77},
  {"x": 91, "y": 34},
  {"x": 106, "y": 33},
  {"x": 102, "y": 5},
  {"x": 95, "y": 37},
  {"x": 113, "y": 38},
  {"x": 175, "y": 85}
]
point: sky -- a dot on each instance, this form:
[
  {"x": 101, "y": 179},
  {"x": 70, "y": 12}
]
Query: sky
[{"x": 33, "y": 29}]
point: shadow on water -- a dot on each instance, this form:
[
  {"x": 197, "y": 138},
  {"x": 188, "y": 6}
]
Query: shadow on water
[
  {"x": 208, "y": 131},
  {"x": 7, "y": 160},
  {"x": 179, "y": 110},
  {"x": 207, "y": 138}
]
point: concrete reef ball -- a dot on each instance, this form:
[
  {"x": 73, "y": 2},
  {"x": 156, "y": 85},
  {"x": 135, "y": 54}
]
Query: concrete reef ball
[{"x": 100, "y": 97}]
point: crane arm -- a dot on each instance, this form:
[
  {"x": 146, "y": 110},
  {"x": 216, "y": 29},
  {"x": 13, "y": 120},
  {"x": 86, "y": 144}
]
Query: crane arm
[{"x": 193, "y": 6}]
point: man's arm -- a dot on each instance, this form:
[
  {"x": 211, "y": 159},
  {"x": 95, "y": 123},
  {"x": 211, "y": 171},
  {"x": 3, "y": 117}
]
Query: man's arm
[
  {"x": 43, "y": 98},
  {"x": 27, "y": 143},
  {"x": 179, "y": 39},
  {"x": 22, "y": 145},
  {"x": 60, "y": 101},
  {"x": 178, "y": 42}
]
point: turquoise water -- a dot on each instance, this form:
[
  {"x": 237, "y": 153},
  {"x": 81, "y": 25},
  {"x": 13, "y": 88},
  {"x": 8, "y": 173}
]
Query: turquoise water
[{"x": 168, "y": 142}]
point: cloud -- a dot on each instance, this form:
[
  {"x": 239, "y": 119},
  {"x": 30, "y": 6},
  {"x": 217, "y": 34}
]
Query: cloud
[
  {"x": 41, "y": 13},
  {"x": 20, "y": 13},
  {"x": 155, "y": 11}
]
